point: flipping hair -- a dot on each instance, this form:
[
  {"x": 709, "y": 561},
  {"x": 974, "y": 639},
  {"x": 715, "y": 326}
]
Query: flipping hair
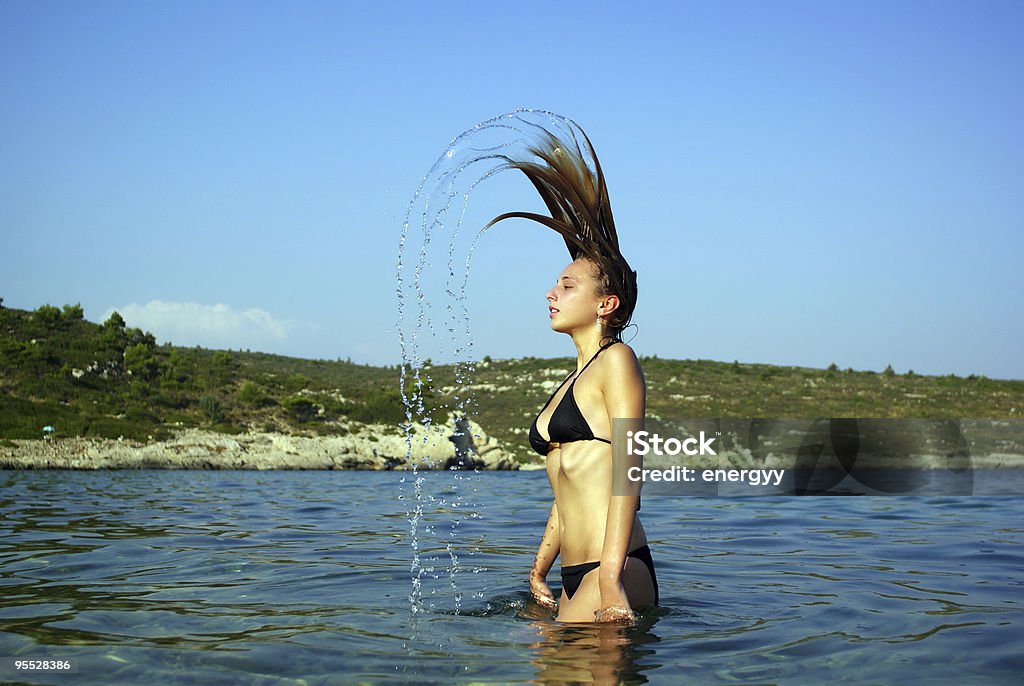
[{"x": 581, "y": 213}]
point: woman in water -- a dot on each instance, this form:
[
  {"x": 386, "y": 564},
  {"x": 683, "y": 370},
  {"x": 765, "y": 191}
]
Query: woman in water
[{"x": 606, "y": 566}]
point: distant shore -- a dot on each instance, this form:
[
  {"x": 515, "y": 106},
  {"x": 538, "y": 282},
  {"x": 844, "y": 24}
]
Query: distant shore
[{"x": 372, "y": 447}]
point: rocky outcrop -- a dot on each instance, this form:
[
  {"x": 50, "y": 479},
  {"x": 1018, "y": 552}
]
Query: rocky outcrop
[{"x": 458, "y": 444}]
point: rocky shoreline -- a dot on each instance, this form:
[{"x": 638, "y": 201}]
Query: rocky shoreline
[
  {"x": 460, "y": 444},
  {"x": 457, "y": 444}
]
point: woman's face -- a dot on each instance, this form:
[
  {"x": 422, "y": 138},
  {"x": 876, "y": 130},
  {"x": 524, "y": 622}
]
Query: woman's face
[{"x": 574, "y": 302}]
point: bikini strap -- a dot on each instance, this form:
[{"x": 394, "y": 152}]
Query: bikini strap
[
  {"x": 553, "y": 394},
  {"x": 599, "y": 351}
]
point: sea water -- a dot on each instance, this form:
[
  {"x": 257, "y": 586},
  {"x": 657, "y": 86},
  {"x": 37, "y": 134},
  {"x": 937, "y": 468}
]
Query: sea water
[{"x": 303, "y": 578}]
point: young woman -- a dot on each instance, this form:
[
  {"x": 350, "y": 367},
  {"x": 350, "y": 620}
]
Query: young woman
[{"x": 606, "y": 565}]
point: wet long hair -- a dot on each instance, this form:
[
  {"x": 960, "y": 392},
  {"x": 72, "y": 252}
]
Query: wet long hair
[{"x": 581, "y": 212}]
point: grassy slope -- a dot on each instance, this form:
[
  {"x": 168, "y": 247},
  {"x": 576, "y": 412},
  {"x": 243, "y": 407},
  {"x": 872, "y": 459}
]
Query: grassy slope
[
  {"x": 108, "y": 380},
  {"x": 703, "y": 388}
]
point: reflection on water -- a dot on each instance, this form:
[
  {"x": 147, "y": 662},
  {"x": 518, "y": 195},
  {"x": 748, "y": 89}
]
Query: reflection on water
[
  {"x": 303, "y": 577},
  {"x": 599, "y": 654}
]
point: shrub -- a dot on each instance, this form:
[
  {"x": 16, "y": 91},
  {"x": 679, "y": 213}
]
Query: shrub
[
  {"x": 383, "y": 406},
  {"x": 299, "y": 408},
  {"x": 297, "y": 382},
  {"x": 211, "y": 408},
  {"x": 252, "y": 395}
]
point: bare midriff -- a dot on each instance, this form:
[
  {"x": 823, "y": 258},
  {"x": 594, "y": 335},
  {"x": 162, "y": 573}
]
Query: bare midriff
[{"x": 581, "y": 478}]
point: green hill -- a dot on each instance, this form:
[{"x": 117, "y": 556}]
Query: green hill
[{"x": 110, "y": 380}]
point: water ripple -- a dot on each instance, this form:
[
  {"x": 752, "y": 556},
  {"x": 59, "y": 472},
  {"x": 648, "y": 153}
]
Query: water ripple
[{"x": 293, "y": 578}]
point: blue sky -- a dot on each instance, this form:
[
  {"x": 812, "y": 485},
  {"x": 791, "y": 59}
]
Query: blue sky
[{"x": 795, "y": 183}]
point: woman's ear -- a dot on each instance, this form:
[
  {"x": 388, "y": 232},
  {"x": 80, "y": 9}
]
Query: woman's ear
[{"x": 609, "y": 304}]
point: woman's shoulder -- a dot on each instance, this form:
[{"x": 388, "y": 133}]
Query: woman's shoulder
[
  {"x": 622, "y": 378},
  {"x": 619, "y": 351},
  {"x": 620, "y": 358}
]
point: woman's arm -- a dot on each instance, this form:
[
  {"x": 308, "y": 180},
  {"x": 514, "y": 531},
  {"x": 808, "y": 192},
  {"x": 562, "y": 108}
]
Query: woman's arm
[
  {"x": 625, "y": 398},
  {"x": 547, "y": 552}
]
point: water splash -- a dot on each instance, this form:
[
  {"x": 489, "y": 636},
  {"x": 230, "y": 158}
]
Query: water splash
[{"x": 434, "y": 263}]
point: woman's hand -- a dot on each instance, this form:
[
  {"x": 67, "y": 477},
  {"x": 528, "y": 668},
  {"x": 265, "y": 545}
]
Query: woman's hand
[
  {"x": 541, "y": 592},
  {"x": 614, "y": 613},
  {"x": 614, "y": 603}
]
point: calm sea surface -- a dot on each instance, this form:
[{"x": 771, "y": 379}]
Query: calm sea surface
[{"x": 305, "y": 577}]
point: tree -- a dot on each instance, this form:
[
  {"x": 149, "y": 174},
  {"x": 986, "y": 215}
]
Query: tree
[
  {"x": 138, "y": 336},
  {"x": 74, "y": 311},
  {"x": 140, "y": 361},
  {"x": 177, "y": 370},
  {"x": 115, "y": 321},
  {"x": 48, "y": 314},
  {"x": 113, "y": 335}
]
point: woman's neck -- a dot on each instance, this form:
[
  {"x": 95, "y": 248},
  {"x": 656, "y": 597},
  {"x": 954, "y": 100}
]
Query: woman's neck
[{"x": 587, "y": 344}]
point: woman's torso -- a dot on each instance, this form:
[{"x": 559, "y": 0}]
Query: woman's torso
[{"x": 580, "y": 471}]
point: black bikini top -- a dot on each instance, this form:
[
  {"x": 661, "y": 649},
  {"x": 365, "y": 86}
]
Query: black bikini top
[{"x": 567, "y": 423}]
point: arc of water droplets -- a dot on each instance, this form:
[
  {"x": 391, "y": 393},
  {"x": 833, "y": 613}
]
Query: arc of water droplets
[{"x": 448, "y": 179}]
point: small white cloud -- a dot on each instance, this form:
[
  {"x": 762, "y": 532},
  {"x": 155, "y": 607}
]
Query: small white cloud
[{"x": 211, "y": 326}]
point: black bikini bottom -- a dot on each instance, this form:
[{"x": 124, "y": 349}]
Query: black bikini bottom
[{"x": 572, "y": 576}]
